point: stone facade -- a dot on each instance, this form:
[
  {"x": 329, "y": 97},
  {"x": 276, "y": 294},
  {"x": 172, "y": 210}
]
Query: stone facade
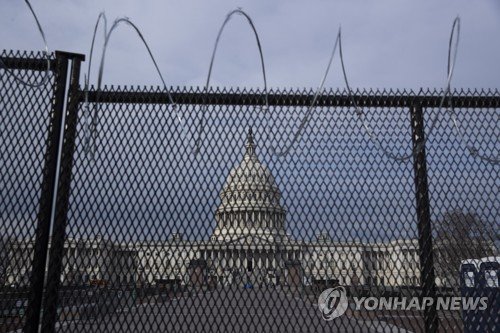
[{"x": 248, "y": 245}]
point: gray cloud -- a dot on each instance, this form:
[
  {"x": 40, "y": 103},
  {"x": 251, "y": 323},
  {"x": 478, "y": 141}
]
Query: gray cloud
[
  {"x": 390, "y": 44},
  {"x": 387, "y": 43}
]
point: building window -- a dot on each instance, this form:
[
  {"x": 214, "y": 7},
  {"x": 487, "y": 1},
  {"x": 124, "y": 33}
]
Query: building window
[
  {"x": 491, "y": 278},
  {"x": 469, "y": 279},
  {"x": 250, "y": 264}
]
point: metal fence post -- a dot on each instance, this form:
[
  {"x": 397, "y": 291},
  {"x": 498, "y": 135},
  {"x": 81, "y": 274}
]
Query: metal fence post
[
  {"x": 47, "y": 197},
  {"x": 427, "y": 276},
  {"x": 56, "y": 253}
]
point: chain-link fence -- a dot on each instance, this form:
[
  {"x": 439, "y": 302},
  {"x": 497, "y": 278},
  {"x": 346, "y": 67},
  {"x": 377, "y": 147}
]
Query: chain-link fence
[
  {"x": 25, "y": 115},
  {"x": 183, "y": 217}
]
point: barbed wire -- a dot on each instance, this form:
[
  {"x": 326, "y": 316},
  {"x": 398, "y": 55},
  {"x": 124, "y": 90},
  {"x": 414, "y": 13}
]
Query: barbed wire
[
  {"x": 87, "y": 113},
  {"x": 237, "y": 11},
  {"x": 45, "y": 51},
  {"x": 368, "y": 129},
  {"x": 92, "y": 118},
  {"x": 472, "y": 150},
  {"x": 91, "y": 136},
  {"x": 309, "y": 111}
]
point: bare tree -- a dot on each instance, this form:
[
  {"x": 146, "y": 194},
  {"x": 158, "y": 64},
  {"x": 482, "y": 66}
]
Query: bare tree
[{"x": 460, "y": 236}]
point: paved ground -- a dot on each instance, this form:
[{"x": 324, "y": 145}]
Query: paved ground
[{"x": 228, "y": 310}]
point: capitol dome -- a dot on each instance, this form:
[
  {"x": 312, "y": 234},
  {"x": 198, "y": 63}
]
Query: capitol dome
[{"x": 250, "y": 201}]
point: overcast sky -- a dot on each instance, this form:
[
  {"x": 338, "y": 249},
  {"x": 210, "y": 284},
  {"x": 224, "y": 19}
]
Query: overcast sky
[{"x": 387, "y": 43}]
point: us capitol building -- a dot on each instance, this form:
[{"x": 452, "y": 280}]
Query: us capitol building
[{"x": 248, "y": 245}]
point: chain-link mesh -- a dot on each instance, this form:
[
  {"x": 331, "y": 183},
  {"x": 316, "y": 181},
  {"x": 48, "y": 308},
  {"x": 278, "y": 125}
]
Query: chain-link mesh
[
  {"x": 234, "y": 238},
  {"x": 465, "y": 208},
  {"x": 24, "y": 122}
]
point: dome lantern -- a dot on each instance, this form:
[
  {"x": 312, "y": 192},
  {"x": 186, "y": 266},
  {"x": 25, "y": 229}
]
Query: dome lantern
[
  {"x": 250, "y": 200},
  {"x": 250, "y": 145}
]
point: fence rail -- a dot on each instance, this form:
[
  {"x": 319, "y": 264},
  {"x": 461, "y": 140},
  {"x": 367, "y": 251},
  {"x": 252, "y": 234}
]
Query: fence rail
[{"x": 431, "y": 99}]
